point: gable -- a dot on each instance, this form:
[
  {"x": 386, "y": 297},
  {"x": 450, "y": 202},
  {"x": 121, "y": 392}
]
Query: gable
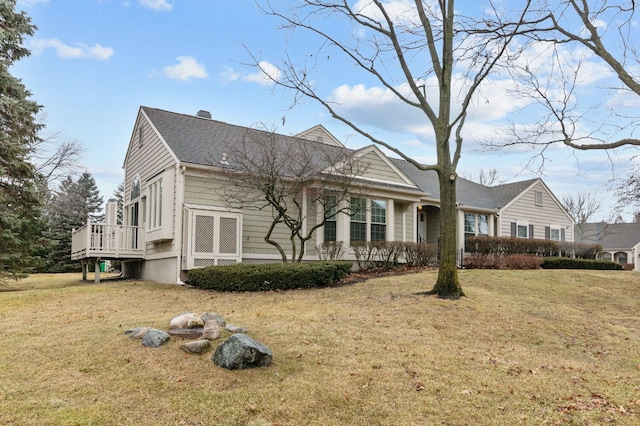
[
  {"x": 147, "y": 153},
  {"x": 380, "y": 168},
  {"x": 319, "y": 134}
]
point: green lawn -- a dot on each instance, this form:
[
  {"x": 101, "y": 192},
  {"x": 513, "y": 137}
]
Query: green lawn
[{"x": 525, "y": 347}]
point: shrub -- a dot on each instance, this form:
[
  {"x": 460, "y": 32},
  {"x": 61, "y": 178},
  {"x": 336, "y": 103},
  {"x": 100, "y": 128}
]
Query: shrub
[
  {"x": 331, "y": 250},
  {"x": 544, "y": 248},
  {"x": 496, "y": 261},
  {"x": 271, "y": 276},
  {"x": 420, "y": 254},
  {"x": 570, "y": 263}
]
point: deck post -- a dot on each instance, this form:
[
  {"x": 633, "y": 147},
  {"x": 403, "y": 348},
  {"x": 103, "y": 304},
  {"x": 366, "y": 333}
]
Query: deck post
[
  {"x": 88, "y": 237},
  {"x": 97, "y": 269},
  {"x": 85, "y": 268}
]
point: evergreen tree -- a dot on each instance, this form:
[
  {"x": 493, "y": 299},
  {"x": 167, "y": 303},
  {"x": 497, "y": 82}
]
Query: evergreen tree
[
  {"x": 20, "y": 203},
  {"x": 118, "y": 194},
  {"x": 72, "y": 204}
]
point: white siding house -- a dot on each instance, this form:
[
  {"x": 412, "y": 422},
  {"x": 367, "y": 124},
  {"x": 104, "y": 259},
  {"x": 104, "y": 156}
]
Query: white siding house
[{"x": 175, "y": 218}]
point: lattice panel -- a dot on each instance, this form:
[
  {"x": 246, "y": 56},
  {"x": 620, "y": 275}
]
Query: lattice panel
[
  {"x": 228, "y": 235},
  {"x": 202, "y": 263},
  {"x": 203, "y": 236},
  {"x": 223, "y": 262}
]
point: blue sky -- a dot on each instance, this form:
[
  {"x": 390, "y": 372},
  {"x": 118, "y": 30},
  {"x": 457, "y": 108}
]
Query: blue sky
[{"x": 94, "y": 62}]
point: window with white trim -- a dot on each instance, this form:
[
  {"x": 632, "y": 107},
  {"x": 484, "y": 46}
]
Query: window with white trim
[
  {"x": 538, "y": 198},
  {"x": 331, "y": 223},
  {"x": 358, "y": 226},
  {"x": 554, "y": 234},
  {"x": 155, "y": 205},
  {"x": 522, "y": 230},
  {"x": 378, "y": 220}
]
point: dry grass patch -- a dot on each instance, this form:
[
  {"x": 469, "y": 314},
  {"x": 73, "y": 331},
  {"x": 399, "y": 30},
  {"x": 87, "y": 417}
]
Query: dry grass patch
[{"x": 525, "y": 347}]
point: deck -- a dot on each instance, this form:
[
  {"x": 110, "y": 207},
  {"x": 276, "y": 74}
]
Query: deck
[{"x": 97, "y": 241}]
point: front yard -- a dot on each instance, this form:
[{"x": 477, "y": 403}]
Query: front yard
[{"x": 525, "y": 347}]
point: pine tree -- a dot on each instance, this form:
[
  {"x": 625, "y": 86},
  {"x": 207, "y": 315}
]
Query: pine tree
[
  {"x": 20, "y": 203},
  {"x": 72, "y": 204}
]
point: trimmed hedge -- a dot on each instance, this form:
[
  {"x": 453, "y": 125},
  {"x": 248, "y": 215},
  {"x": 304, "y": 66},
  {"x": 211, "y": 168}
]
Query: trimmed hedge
[
  {"x": 510, "y": 245},
  {"x": 269, "y": 276},
  {"x": 568, "y": 263}
]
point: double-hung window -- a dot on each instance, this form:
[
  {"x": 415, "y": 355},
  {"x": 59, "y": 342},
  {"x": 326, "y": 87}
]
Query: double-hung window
[
  {"x": 331, "y": 221},
  {"x": 358, "y": 227},
  {"x": 378, "y": 220}
]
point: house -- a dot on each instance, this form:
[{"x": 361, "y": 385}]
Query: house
[
  {"x": 175, "y": 219},
  {"x": 620, "y": 241}
]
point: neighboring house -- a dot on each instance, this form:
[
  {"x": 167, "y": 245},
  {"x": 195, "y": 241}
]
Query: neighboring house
[
  {"x": 620, "y": 241},
  {"x": 175, "y": 219}
]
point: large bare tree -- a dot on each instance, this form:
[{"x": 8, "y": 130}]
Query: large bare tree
[
  {"x": 582, "y": 206},
  {"x": 302, "y": 184},
  {"x": 425, "y": 53},
  {"x": 581, "y": 72}
]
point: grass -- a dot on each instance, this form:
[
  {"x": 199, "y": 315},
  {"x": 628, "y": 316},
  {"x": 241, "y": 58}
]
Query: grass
[{"x": 525, "y": 347}]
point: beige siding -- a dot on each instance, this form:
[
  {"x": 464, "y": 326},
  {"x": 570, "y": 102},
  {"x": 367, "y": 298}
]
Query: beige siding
[
  {"x": 146, "y": 161},
  {"x": 378, "y": 169},
  {"x": 208, "y": 191},
  {"x": 525, "y": 210},
  {"x": 403, "y": 209}
]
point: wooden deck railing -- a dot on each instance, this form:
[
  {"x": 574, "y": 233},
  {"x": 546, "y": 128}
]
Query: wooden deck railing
[{"x": 97, "y": 240}]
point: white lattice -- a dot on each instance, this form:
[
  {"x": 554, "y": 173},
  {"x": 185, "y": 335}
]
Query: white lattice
[
  {"x": 201, "y": 263},
  {"x": 228, "y": 235},
  {"x": 203, "y": 238},
  {"x": 223, "y": 262}
]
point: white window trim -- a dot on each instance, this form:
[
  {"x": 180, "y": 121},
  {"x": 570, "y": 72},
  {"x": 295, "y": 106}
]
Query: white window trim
[
  {"x": 524, "y": 223},
  {"x": 555, "y": 228}
]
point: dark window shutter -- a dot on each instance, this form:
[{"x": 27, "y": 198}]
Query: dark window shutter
[
  {"x": 513, "y": 229},
  {"x": 547, "y": 233},
  {"x": 530, "y": 231},
  {"x": 562, "y": 235}
]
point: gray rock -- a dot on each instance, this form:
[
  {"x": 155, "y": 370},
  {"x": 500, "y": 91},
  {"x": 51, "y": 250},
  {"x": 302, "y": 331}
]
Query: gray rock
[
  {"x": 186, "y": 333},
  {"x": 208, "y": 316},
  {"x": 196, "y": 346},
  {"x": 231, "y": 328},
  {"x": 137, "y": 333},
  {"x": 240, "y": 351},
  {"x": 211, "y": 330},
  {"x": 153, "y": 338}
]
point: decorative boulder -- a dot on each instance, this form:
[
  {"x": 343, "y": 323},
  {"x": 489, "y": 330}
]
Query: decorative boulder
[
  {"x": 208, "y": 316},
  {"x": 188, "y": 320},
  {"x": 137, "y": 333},
  {"x": 153, "y": 338},
  {"x": 240, "y": 351},
  {"x": 186, "y": 333},
  {"x": 211, "y": 330},
  {"x": 196, "y": 346},
  {"x": 231, "y": 328}
]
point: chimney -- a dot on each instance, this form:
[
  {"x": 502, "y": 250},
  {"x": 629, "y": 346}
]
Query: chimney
[{"x": 203, "y": 114}]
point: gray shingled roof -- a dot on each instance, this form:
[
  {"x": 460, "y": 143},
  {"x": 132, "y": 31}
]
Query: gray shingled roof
[
  {"x": 467, "y": 192},
  {"x": 612, "y": 235},
  {"x": 203, "y": 141}
]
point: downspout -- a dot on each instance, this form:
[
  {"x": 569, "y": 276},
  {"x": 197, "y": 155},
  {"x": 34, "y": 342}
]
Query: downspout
[{"x": 177, "y": 223}]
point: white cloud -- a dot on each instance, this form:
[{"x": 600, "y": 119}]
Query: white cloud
[
  {"x": 79, "y": 51},
  {"x": 229, "y": 74},
  {"x": 187, "y": 68},
  {"x": 157, "y": 5},
  {"x": 267, "y": 74}
]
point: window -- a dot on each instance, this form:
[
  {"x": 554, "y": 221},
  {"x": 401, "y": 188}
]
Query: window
[
  {"x": 483, "y": 224},
  {"x": 140, "y": 139},
  {"x": 155, "y": 205},
  {"x": 330, "y": 226},
  {"x": 539, "y": 198},
  {"x": 554, "y": 235},
  {"x": 358, "y": 227},
  {"x": 469, "y": 224},
  {"x": 135, "y": 188},
  {"x": 522, "y": 231},
  {"x": 378, "y": 220}
]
